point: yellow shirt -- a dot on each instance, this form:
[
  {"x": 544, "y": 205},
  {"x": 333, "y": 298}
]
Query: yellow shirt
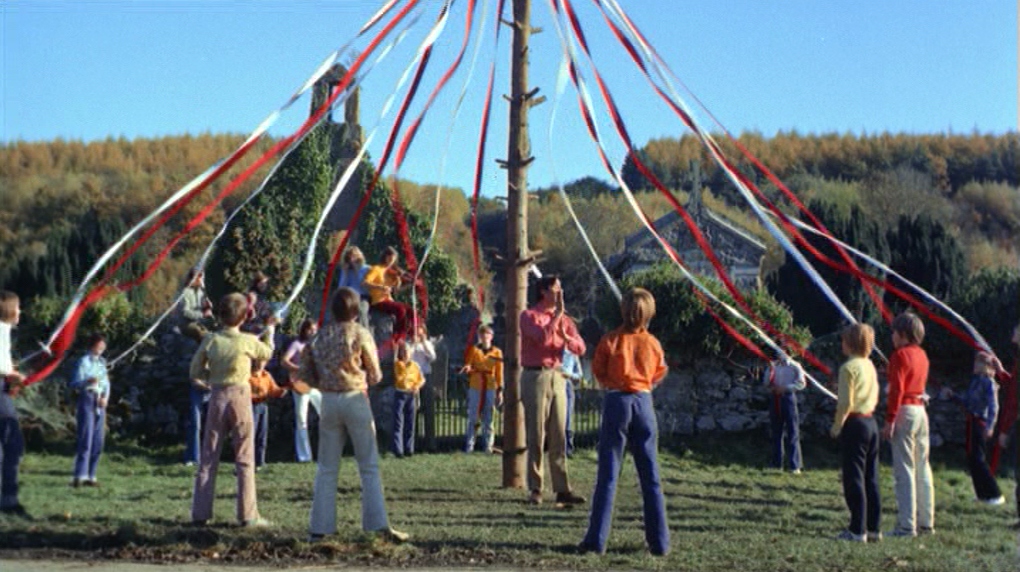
[
  {"x": 224, "y": 357},
  {"x": 486, "y": 367},
  {"x": 378, "y": 276},
  {"x": 858, "y": 391},
  {"x": 407, "y": 376}
]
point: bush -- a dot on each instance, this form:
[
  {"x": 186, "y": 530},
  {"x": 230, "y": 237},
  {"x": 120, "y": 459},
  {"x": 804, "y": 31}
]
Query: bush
[{"x": 685, "y": 329}]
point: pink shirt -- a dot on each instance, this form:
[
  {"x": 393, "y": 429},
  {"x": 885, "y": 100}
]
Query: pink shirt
[{"x": 541, "y": 342}]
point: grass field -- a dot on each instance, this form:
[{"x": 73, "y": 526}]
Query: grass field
[{"x": 725, "y": 513}]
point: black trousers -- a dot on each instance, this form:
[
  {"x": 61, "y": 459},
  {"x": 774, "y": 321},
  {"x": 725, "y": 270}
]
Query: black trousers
[
  {"x": 985, "y": 486},
  {"x": 858, "y": 448}
]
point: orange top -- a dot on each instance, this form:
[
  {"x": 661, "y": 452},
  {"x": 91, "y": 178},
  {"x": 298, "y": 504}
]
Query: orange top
[
  {"x": 264, "y": 387},
  {"x": 629, "y": 361},
  {"x": 908, "y": 376}
]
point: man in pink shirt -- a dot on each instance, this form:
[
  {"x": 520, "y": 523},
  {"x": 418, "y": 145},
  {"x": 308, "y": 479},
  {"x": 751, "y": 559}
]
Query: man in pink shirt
[{"x": 545, "y": 331}]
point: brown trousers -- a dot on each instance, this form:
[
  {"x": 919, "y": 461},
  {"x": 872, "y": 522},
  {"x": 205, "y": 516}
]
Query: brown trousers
[
  {"x": 544, "y": 396},
  {"x": 229, "y": 411}
]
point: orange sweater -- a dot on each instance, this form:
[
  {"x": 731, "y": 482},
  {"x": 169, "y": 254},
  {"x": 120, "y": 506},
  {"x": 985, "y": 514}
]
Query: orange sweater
[
  {"x": 264, "y": 387},
  {"x": 908, "y": 377},
  {"x": 486, "y": 367},
  {"x": 629, "y": 361}
]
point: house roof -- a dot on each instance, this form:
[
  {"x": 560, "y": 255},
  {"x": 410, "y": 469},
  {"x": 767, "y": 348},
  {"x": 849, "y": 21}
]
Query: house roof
[{"x": 701, "y": 216}]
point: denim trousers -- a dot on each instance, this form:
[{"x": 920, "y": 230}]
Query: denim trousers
[
  {"x": 12, "y": 447},
  {"x": 784, "y": 421},
  {"x": 628, "y": 422},
  {"x": 198, "y": 403},
  {"x": 403, "y": 423},
  {"x": 480, "y": 405},
  {"x": 90, "y": 434}
]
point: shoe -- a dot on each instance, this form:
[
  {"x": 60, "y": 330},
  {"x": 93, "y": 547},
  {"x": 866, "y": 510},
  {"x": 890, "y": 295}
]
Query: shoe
[
  {"x": 901, "y": 533},
  {"x": 796, "y": 472},
  {"x": 999, "y": 500},
  {"x": 313, "y": 538},
  {"x": 188, "y": 463},
  {"x": 75, "y": 483},
  {"x": 535, "y": 498},
  {"x": 16, "y": 510},
  {"x": 90, "y": 483},
  {"x": 929, "y": 530},
  {"x": 257, "y": 522},
  {"x": 585, "y": 548},
  {"x": 393, "y": 535},
  {"x": 874, "y": 537},
  {"x": 851, "y": 537},
  {"x": 202, "y": 522},
  {"x": 569, "y": 498}
]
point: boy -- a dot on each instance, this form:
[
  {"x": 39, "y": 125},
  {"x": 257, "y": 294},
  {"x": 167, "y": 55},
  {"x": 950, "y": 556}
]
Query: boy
[
  {"x": 784, "y": 378},
  {"x": 11, "y": 443},
  {"x": 224, "y": 360},
  {"x": 91, "y": 382},
  {"x": 628, "y": 363},
  {"x": 381, "y": 281},
  {"x": 407, "y": 382},
  {"x": 483, "y": 363},
  {"x": 906, "y": 425},
  {"x": 263, "y": 387},
  {"x": 857, "y": 432}
]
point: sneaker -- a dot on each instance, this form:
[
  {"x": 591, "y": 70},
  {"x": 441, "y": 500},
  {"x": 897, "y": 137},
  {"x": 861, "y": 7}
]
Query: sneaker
[
  {"x": 75, "y": 483},
  {"x": 393, "y": 535},
  {"x": 929, "y": 530},
  {"x": 535, "y": 497},
  {"x": 90, "y": 483},
  {"x": 258, "y": 522},
  {"x": 849, "y": 536},
  {"x": 313, "y": 538},
  {"x": 16, "y": 510},
  {"x": 999, "y": 500},
  {"x": 569, "y": 498},
  {"x": 874, "y": 537},
  {"x": 901, "y": 533},
  {"x": 189, "y": 463},
  {"x": 796, "y": 472}
]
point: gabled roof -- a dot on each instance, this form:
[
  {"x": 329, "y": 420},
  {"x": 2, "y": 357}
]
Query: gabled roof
[{"x": 702, "y": 216}]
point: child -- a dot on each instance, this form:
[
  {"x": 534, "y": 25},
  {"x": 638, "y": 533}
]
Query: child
[
  {"x": 304, "y": 395},
  {"x": 784, "y": 378},
  {"x": 858, "y": 435},
  {"x": 628, "y": 362},
  {"x": 381, "y": 281},
  {"x": 906, "y": 424},
  {"x": 407, "y": 381},
  {"x": 91, "y": 382},
  {"x": 1008, "y": 418},
  {"x": 484, "y": 365},
  {"x": 981, "y": 401},
  {"x": 263, "y": 387},
  {"x": 573, "y": 375},
  {"x": 12, "y": 445},
  {"x": 223, "y": 360},
  {"x": 342, "y": 363}
]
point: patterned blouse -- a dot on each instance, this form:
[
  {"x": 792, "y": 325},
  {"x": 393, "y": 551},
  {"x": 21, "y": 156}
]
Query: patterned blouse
[{"x": 340, "y": 358}]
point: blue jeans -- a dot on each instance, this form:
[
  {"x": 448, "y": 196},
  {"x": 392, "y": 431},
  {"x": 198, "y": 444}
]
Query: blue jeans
[
  {"x": 13, "y": 447},
  {"x": 90, "y": 433},
  {"x": 570, "y": 416},
  {"x": 475, "y": 402},
  {"x": 628, "y": 420},
  {"x": 785, "y": 423},
  {"x": 260, "y": 416},
  {"x": 403, "y": 423},
  {"x": 198, "y": 401}
]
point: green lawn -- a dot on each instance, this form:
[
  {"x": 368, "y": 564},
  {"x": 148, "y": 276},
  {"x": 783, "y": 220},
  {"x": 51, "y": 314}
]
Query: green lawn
[{"x": 725, "y": 514}]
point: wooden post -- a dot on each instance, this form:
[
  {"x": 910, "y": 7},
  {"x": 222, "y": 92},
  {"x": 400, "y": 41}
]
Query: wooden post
[{"x": 518, "y": 159}]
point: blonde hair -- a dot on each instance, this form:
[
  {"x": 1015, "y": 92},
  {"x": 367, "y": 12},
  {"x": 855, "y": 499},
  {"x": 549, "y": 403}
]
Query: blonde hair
[
  {"x": 353, "y": 253},
  {"x": 637, "y": 309},
  {"x": 403, "y": 352},
  {"x": 859, "y": 339},
  {"x": 984, "y": 364}
]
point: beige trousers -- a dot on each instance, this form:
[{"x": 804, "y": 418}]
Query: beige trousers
[
  {"x": 229, "y": 411},
  {"x": 915, "y": 495},
  {"x": 544, "y": 397}
]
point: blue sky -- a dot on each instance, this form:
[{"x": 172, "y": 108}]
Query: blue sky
[{"x": 89, "y": 69}]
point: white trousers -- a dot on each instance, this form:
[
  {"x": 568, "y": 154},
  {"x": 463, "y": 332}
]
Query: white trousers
[
  {"x": 915, "y": 496},
  {"x": 302, "y": 446}
]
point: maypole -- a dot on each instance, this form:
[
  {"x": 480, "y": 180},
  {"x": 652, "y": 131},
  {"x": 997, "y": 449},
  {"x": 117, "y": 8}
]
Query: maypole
[{"x": 519, "y": 257}]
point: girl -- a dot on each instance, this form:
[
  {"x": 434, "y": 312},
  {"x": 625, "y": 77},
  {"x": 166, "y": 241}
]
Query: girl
[
  {"x": 91, "y": 382},
  {"x": 982, "y": 405},
  {"x": 407, "y": 382},
  {"x": 303, "y": 393},
  {"x": 858, "y": 435},
  {"x": 352, "y": 273},
  {"x": 628, "y": 363}
]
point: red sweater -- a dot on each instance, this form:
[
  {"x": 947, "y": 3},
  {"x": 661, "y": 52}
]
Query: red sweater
[{"x": 908, "y": 377}]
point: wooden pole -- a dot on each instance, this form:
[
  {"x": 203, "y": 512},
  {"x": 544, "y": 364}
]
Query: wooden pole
[{"x": 518, "y": 159}]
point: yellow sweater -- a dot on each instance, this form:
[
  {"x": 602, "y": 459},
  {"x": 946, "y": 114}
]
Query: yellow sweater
[
  {"x": 858, "y": 391},
  {"x": 486, "y": 367},
  {"x": 407, "y": 376}
]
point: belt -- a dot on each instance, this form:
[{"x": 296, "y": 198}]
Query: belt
[
  {"x": 534, "y": 367},
  {"x": 912, "y": 400},
  {"x": 858, "y": 415}
]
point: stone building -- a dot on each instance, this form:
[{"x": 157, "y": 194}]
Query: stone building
[{"x": 740, "y": 253}]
